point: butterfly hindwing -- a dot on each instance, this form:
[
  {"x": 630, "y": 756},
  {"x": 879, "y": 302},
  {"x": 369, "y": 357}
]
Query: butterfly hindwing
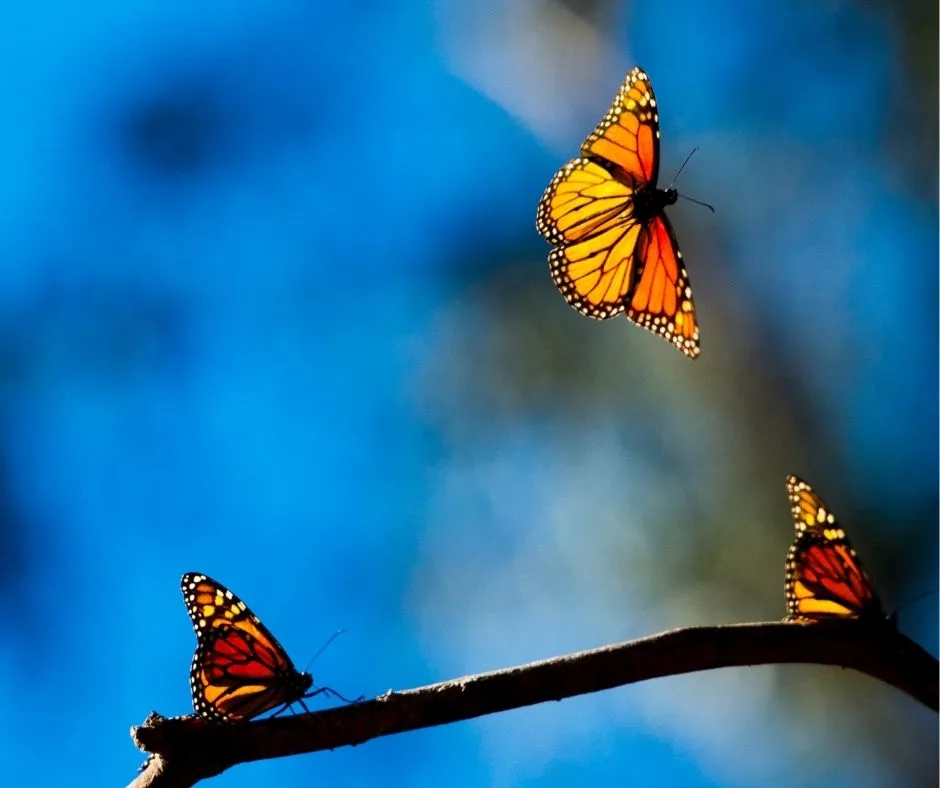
[
  {"x": 825, "y": 578},
  {"x": 239, "y": 669},
  {"x": 615, "y": 251},
  {"x": 662, "y": 300}
]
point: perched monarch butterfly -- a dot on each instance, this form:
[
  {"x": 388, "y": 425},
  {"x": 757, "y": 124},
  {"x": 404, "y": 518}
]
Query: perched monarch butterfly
[
  {"x": 615, "y": 250},
  {"x": 239, "y": 669},
  {"x": 825, "y": 579}
]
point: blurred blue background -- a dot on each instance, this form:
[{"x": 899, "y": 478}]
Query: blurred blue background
[{"x": 273, "y": 308}]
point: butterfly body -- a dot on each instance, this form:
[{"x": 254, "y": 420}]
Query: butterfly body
[
  {"x": 825, "y": 579},
  {"x": 614, "y": 249},
  {"x": 239, "y": 670},
  {"x": 649, "y": 201}
]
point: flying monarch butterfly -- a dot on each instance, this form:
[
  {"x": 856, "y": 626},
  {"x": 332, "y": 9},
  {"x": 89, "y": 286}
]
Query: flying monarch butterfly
[
  {"x": 239, "y": 669},
  {"x": 615, "y": 250},
  {"x": 825, "y": 578}
]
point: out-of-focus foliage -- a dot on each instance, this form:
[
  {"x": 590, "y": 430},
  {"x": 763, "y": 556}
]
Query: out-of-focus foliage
[{"x": 273, "y": 308}]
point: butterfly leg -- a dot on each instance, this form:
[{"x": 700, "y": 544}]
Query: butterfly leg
[
  {"x": 334, "y": 694},
  {"x": 287, "y": 706},
  {"x": 280, "y": 710}
]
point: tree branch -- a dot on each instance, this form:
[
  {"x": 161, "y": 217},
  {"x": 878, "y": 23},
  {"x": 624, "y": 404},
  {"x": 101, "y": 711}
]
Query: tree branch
[{"x": 186, "y": 750}]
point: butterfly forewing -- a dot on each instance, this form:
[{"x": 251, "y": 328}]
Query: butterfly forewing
[
  {"x": 589, "y": 215},
  {"x": 628, "y": 136},
  {"x": 825, "y": 578},
  {"x": 582, "y": 200},
  {"x": 239, "y": 669}
]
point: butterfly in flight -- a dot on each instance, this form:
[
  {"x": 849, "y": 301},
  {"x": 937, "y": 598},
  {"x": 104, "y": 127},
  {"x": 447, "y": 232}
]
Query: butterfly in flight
[
  {"x": 615, "y": 250},
  {"x": 239, "y": 669},
  {"x": 825, "y": 578}
]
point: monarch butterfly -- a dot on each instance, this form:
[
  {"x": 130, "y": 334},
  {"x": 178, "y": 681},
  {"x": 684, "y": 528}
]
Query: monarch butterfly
[
  {"x": 615, "y": 250},
  {"x": 825, "y": 578},
  {"x": 239, "y": 669}
]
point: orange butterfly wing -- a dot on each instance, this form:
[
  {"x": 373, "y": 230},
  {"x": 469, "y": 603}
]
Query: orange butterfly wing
[
  {"x": 588, "y": 216},
  {"x": 628, "y": 136},
  {"x": 825, "y": 578},
  {"x": 239, "y": 669},
  {"x": 662, "y": 301},
  {"x": 615, "y": 250}
]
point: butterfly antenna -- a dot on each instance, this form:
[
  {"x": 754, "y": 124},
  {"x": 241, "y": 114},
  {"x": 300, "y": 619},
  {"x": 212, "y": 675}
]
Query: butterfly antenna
[
  {"x": 327, "y": 690},
  {"x": 910, "y": 602},
  {"x": 676, "y": 177},
  {"x": 679, "y": 171},
  {"x": 697, "y": 202},
  {"x": 322, "y": 648}
]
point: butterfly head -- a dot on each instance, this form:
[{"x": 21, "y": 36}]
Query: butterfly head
[
  {"x": 300, "y": 683},
  {"x": 649, "y": 201}
]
